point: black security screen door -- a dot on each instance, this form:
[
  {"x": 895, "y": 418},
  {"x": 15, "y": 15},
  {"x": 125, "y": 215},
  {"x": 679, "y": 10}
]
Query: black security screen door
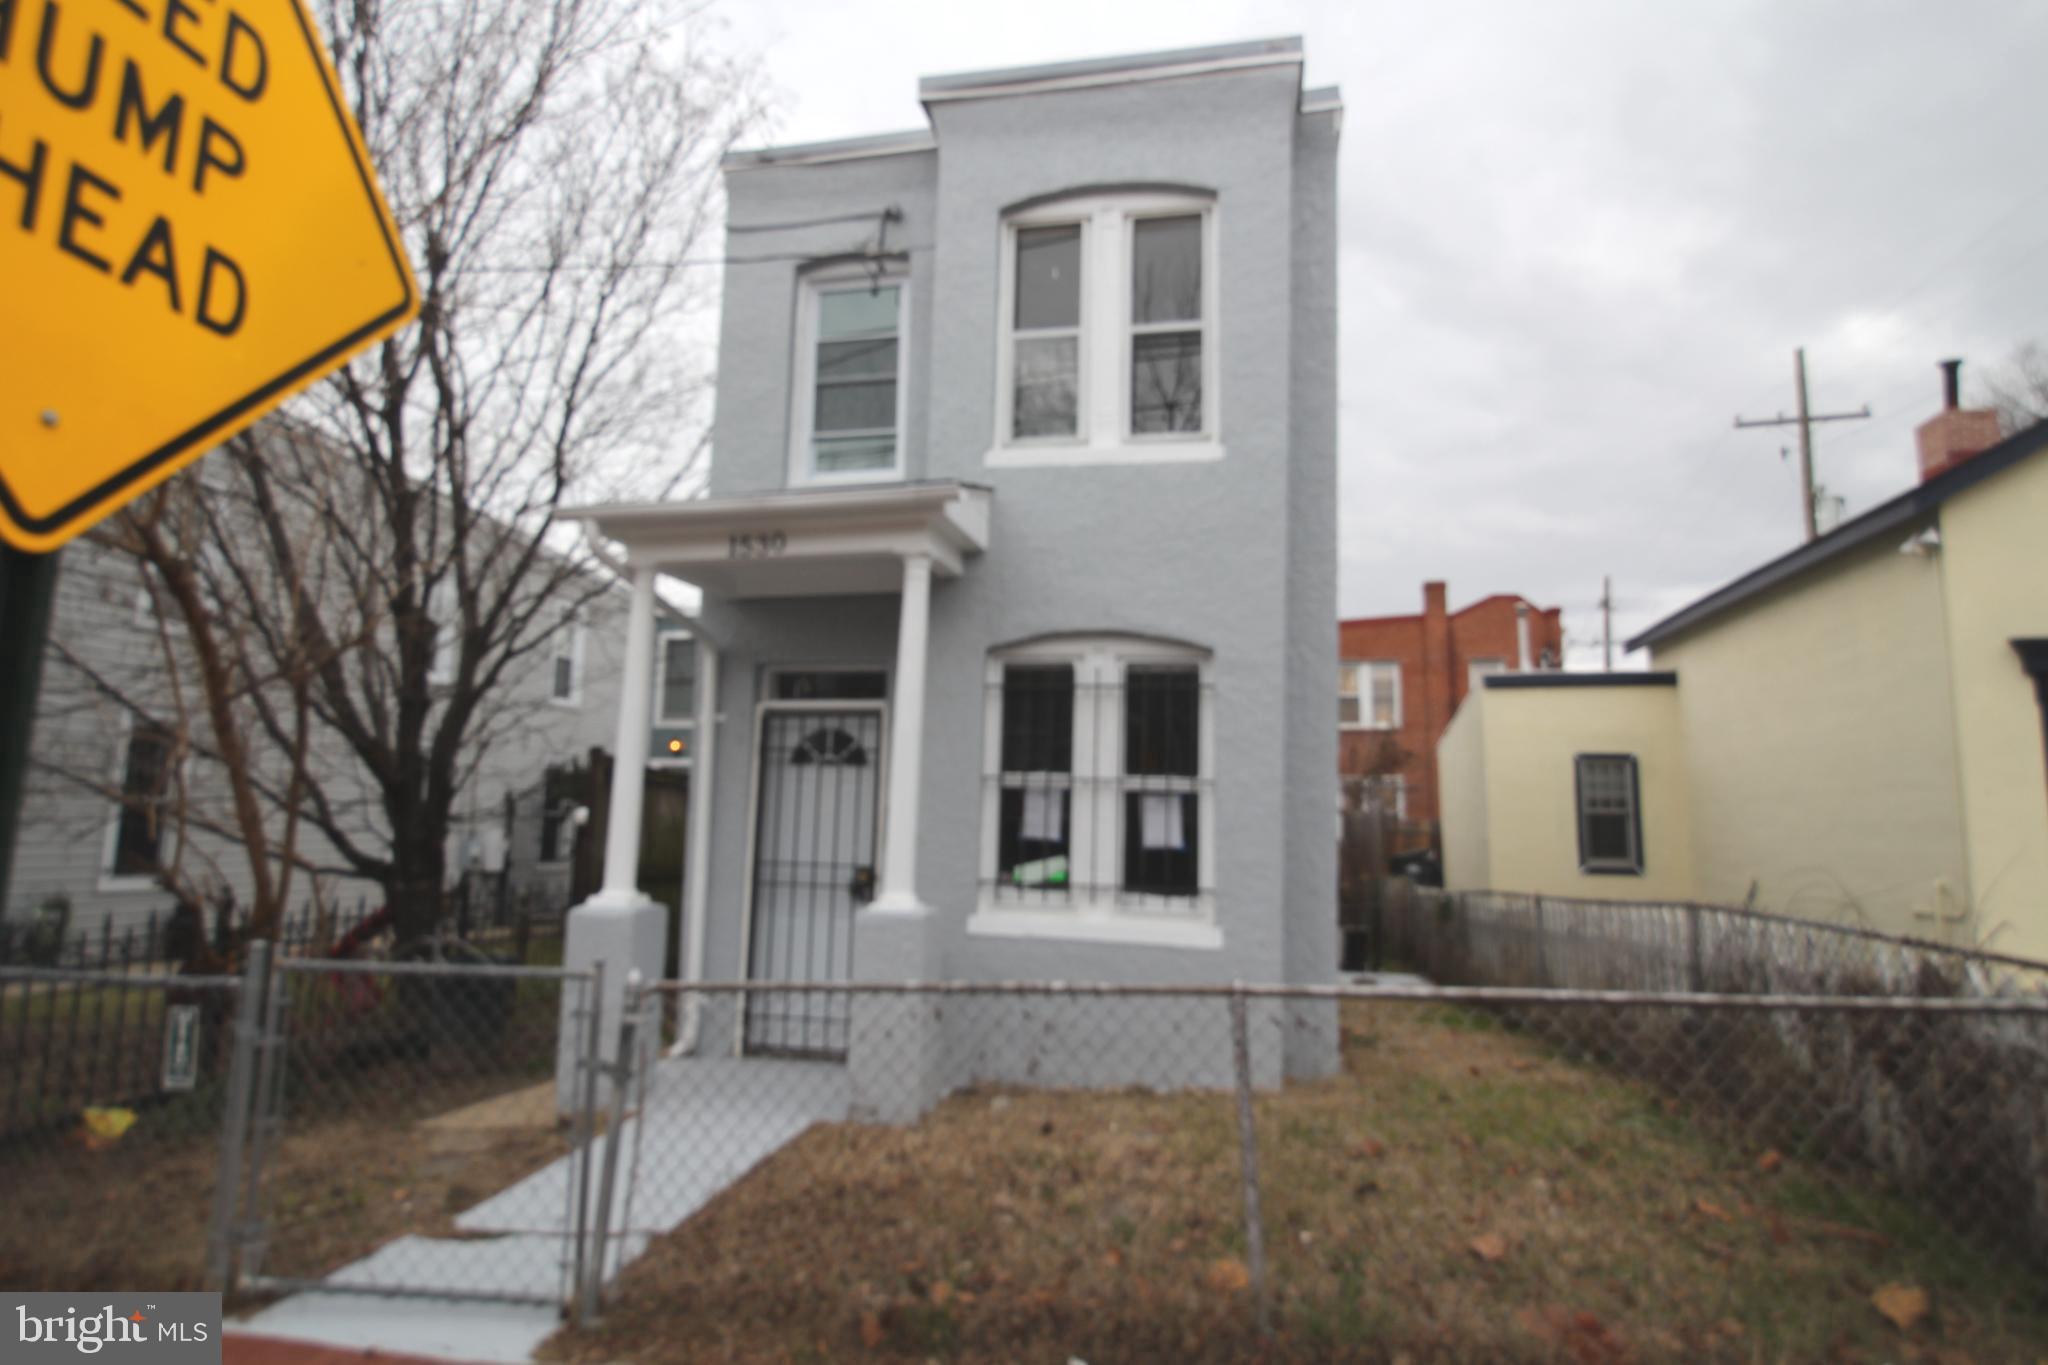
[{"x": 814, "y": 863}]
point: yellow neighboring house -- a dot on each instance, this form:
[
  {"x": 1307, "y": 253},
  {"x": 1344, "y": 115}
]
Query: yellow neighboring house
[{"x": 1853, "y": 732}]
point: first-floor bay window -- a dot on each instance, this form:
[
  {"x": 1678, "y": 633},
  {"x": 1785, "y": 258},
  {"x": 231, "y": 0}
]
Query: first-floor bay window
[{"x": 1097, "y": 780}]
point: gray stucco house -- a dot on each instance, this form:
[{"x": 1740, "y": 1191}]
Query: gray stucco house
[{"x": 1018, "y": 559}]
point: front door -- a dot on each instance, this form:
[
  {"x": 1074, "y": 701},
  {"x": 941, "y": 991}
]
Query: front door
[{"x": 819, "y": 783}]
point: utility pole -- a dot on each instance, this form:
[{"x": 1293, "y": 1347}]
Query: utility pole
[
  {"x": 1804, "y": 421},
  {"x": 1607, "y": 623},
  {"x": 28, "y": 585}
]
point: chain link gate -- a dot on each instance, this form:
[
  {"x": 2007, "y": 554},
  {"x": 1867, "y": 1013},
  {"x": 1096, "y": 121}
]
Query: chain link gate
[{"x": 410, "y": 1129}]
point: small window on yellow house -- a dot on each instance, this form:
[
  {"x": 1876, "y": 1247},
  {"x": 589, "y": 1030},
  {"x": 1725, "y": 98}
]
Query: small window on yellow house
[{"x": 1610, "y": 814}]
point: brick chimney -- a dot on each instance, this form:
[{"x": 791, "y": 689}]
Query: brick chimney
[
  {"x": 1955, "y": 433},
  {"x": 1434, "y": 707}
]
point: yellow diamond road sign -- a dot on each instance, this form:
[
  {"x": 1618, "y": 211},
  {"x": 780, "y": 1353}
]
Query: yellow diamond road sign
[{"x": 189, "y": 232}]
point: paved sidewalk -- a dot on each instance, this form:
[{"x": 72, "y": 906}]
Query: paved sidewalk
[
  {"x": 238, "y": 1348},
  {"x": 708, "y": 1121}
]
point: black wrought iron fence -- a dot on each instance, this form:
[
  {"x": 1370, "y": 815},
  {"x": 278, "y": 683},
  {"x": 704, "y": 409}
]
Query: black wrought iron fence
[{"x": 82, "y": 1023}]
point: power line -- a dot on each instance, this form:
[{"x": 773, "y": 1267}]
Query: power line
[
  {"x": 1804, "y": 421},
  {"x": 891, "y": 214}
]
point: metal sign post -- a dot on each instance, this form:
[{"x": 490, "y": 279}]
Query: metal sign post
[
  {"x": 181, "y": 1047},
  {"x": 28, "y": 583}
]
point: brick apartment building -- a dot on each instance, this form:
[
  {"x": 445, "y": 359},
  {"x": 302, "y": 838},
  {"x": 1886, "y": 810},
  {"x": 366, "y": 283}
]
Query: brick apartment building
[{"x": 1400, "y": 679}]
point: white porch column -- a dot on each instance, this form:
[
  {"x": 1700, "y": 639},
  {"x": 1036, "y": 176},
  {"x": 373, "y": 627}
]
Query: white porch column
[
  {"x": 629, "y": 763},
  {"x": 898, "y": 891},
  {"x": 619, "y": 927}
]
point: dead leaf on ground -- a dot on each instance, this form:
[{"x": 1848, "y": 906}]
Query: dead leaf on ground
[
  {"x": 1369, "y": 1147},
  {"x": 1582, "y": 1335},
  {"x": 1769, "y": 1161},
  {"x": 1228, "y": 1276},
  {"x": 1489, "y": 1246},
  {"x": 1112, "y": 1258},
  {"x": 871, "y": 1330},
  {"x": 941, "y": 1291},
  {"x": 1708, "y": 1208},
  {"x": 1902, "y": 1304}
]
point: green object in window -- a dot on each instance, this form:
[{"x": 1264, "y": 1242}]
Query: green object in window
[{"x": 1042, "y": 872}]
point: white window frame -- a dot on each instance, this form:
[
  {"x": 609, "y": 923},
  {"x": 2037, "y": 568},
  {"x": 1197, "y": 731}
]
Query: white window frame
[
  {"x": 1633, "y": 865},
  {"x": 811, "y": 287},
  {"x": 1096, "y": 803},
  {"x": 1103, "y": 433},
  {"x": 109, "y": 880},
  {"x": 662, "y": 640},
  {"x": 1361, "y": 671},
  {"x": 569, "y": 643}
]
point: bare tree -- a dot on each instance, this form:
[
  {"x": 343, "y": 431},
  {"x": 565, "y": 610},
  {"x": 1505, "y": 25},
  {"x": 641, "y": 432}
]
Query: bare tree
[
  {"x": 553, "y": 167},
  {"x": 2018, "y": 389},
  {"x": 197, "y": 695}
]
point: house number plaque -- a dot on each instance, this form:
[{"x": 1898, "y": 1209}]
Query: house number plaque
[{"x": 755, "y": 544}]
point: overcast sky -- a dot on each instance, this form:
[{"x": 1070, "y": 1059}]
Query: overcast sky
[{"x": 1579, "y": 237}]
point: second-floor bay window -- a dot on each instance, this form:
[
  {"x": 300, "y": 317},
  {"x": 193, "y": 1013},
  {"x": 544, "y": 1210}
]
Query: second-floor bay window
[
  {"x": 1108, "y": 330},
  {"x": 1046, "y": 342},
  {"x": 1166, "y": 325},
  {"x": 849, "y": 418}
]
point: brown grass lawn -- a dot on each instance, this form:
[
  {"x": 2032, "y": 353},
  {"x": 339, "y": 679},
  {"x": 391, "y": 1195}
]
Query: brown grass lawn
[
  {"x": 1457, "y": 1194},
  {"x": 134, "y": 1215}
]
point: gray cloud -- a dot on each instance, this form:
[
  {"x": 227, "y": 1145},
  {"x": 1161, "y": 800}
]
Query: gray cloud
[{"x": 1578, "y": 238}]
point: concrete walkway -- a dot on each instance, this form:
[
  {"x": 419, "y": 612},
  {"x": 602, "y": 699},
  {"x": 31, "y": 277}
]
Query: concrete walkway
[{"x": 707, "y": 1122}]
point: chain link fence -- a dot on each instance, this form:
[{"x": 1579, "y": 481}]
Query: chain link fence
[
  {"x": 1450, "y": 1173},
  {"x": 1498, "y": 938},
  {"x": 1107, "y": 1172},
  {"x": 408, "y": 1136},
  {"x": 116, "y": 1135}
]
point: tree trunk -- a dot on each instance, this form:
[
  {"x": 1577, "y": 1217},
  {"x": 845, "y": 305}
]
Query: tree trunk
[{"x": 415, "y": 890}]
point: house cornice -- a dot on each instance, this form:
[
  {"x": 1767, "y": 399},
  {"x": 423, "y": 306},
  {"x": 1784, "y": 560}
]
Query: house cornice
[{"x": 1148, "y": 66}]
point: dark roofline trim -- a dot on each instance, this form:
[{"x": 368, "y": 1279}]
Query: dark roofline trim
[
  {"x": 1903, "y": 510},
  {"x": 1511, "y": 682}
]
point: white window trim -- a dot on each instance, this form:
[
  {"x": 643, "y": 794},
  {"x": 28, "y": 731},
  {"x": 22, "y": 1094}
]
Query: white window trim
[
  {"x": 577, "y": 634},
  {"x": 1103, "y": 383},
  {"x": 1633, "y": 865},
  {"x": 1098, "y": 661},
  {"x": 803, "y": 470},
  {"x": 662, "y": 640},
  {"x": 108, "y": 880},
  {"x": 1364, "y": 694}
]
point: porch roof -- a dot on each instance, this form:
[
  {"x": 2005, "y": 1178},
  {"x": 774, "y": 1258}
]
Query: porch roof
[{"x": 804, "y": 542}]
